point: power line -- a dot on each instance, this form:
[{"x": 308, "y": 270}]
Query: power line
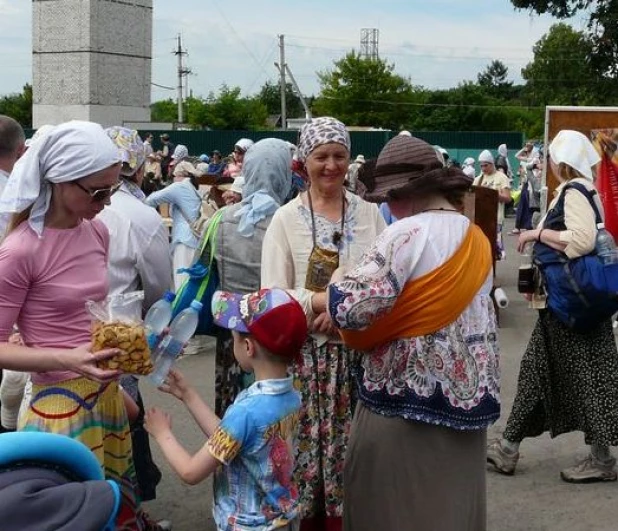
[
  {"x": 413, "y": 104},
  {"x": 405, "y": 45},
  {"x": 267, "y": 58},
  {"x": 511, "y": 59},
  {"x": 162, "y": 86},
  {"x": 247, "y": 49}
]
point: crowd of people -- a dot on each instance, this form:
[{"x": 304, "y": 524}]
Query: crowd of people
[{"x": 357, "y": 341}]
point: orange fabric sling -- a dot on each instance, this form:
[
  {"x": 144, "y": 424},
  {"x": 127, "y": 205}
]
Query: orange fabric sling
[{"x": 429, "y": 303}]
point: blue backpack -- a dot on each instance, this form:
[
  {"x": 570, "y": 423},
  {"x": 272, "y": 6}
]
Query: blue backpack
[
  {"x": 203, "y": 280},
  {"x": 581, "y": 292}
]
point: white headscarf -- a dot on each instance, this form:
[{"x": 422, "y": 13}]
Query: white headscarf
[
  {"x": 575, "y": 150},
  {"x": 68, "y": 152},
  {"x": 39, "y": 133},
  {"x": 486, "y": 156},
  {"x": 503, "y": 151},
  {"x": 244, "y": 144},
  {"x": 469, "y": 171}
]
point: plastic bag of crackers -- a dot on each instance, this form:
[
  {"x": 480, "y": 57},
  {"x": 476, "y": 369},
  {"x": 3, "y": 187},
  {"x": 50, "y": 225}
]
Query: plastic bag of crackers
[{"x": 117, "y": 323}]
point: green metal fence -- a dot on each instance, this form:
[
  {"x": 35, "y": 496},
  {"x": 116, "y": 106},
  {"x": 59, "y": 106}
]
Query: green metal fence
[
  {"x": 459, "y": 144},
  {"x": 369, "y": 143}
]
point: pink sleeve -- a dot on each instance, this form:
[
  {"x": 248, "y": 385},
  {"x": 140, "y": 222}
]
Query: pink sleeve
[
  {"x": 102, "y": 232},
  {"x": 15, "y": 279}
]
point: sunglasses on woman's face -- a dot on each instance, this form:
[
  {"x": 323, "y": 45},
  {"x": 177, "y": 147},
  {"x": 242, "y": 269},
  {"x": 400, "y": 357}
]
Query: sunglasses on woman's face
[{"x": 99, "y": 194}]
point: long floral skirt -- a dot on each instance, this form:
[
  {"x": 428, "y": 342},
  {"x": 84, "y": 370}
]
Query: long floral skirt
[
  {"x": 568, "y": 381},
  {"x": 94, "y": 414},
  {"x": 325, "y": 379}
]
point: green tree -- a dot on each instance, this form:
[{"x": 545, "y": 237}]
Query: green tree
[
  {"x": 19, "y": 106},
  {"x": 226, "y": 110},
  {"x": 468, "y": 107},
  {"x": 602, "y": 31},
  {"x": 494, "y": 79},
  {"x": 164, "y": 111},
  {"x": 362, "y": 91},
  {"x": 270, "y": 96},
  {"x": 229, "y": 110},
  {"x": 560, "y": 72}
]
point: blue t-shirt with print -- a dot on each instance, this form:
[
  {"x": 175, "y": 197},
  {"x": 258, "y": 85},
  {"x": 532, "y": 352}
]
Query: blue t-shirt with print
[{"x": 255, "y": 442}]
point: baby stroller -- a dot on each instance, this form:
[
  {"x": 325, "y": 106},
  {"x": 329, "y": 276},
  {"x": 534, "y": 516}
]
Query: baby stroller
[{"x": 50, "y": 482}]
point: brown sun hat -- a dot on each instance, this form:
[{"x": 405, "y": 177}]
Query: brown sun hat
[{"x": 408, "y": 164}]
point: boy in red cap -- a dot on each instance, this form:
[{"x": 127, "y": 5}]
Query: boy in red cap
[{"x": 255, "y": 439}]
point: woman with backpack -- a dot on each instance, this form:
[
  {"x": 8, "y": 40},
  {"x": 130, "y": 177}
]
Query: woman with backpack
[
  {"x": 238, "y": 253},
  {"x": 568, "y": 379}
]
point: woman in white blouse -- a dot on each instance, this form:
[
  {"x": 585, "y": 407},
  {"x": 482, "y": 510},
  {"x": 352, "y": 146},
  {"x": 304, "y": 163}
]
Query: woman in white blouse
[
  {"x": 568, "y": 379},
  {"x": 322, "y": 229}
]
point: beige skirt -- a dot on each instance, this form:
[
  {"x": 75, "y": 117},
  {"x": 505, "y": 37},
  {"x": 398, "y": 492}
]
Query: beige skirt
[{"x": 409, "y": 475}]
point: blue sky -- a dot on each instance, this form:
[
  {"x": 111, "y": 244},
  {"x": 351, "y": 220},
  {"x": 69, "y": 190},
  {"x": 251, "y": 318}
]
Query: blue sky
[{"x": 436, "y": 43}]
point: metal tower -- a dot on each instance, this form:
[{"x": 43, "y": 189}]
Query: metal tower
[{"x": 370, "y": 38}]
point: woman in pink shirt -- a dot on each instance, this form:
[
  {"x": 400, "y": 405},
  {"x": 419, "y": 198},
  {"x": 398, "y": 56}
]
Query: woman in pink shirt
[{"x": 53, "y": 260}]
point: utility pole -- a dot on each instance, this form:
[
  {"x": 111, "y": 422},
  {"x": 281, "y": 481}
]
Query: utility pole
[
  {"x": 283, "y": 67},
  {"x": 182, "y": 71},
  {"x": 282, "y": 84}
]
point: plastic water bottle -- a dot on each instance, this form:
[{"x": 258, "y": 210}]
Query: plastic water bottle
[
  {"x": 157, "y": 318},
  {"x": 606, "y": 246},
  {"x": 181, "y": 330}
]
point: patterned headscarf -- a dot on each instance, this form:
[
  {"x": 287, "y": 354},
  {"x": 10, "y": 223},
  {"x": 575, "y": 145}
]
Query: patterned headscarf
[
  {"x": 320, "y": 131},
  {"x": 130, "y": 147},
  {"x": 180, "y": 152}
]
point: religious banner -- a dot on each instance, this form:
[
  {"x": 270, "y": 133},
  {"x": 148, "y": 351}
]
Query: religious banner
[{"x": 606, "y": 143}]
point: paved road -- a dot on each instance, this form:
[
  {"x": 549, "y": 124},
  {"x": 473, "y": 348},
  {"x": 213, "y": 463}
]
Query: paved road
[{"x": 534, "y": 499}]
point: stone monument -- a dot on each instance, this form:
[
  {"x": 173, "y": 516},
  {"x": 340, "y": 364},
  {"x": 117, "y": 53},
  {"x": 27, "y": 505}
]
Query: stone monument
[{"x": 91, "y": 61}]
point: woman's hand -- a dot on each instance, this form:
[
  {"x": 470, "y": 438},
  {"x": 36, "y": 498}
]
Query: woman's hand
[
  {"x": 176, "y": 385},
  {"x": 338, "y": 275},
  {"x": 157, "y": 422},
  {"x": 323, "y": 324},
  {"x": 83, "y": 361},
  {"x": 526, "y": 237}
]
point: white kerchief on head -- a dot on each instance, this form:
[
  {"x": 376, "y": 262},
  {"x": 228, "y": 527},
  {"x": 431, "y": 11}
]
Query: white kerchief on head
[
  {"x": 68, "y": 152},
  {"x": 469, "y": 171},
  {"x": 486, "y": 156},
  {"x": 575, "y": 150}
]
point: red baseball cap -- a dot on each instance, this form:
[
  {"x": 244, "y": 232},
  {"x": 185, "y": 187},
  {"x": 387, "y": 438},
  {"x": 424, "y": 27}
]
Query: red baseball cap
[{"x": 272, "y": 316}]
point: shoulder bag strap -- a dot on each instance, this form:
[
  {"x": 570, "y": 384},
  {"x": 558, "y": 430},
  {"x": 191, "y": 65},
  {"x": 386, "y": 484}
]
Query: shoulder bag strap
[
  {"x": 210, "y": 238},
  {"x": 210, "y": 235},
  {"x": 589, "y": 194},
  {"x": 186, "y": 218}
]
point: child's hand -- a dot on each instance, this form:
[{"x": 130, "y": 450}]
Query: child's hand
[
  {"x": 175, "y": 384},
  {"x": 157, "y": 422},
  {"x": 15, "y": 339}
]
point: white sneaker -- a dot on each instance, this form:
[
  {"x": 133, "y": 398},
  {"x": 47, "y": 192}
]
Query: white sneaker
[{"x": 590, "y": 470}]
